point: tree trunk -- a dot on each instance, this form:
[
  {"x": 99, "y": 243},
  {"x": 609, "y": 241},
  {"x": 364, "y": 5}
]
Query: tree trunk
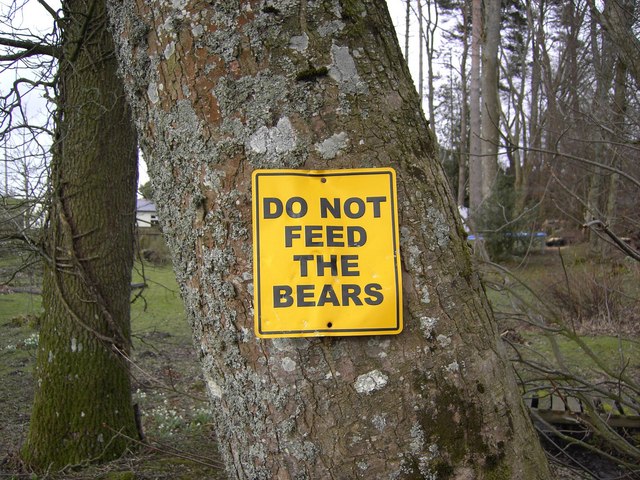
[
  {"x": 407, "y": 29},
  {"x": 82, "y": 408},
  {"x": 531, "y": 156},
  {"x": 619, "y": 112},
  {"x": 429, "y": 39},
  {"x": 420, "y": 51},
  {"x": 624, "y": 11},
  {"x": 603, "y": 61},
  {"x": 463, "y": 159},
  {"x": 490, "y": 113},
  {"x": 475, "y": 135},
  {"x": 312, "y": 85}
]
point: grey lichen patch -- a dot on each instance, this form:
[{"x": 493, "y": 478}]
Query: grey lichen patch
[
  {"x": 332, "y": 146},
  {"x": 306, "y": 451},
  {"x": 288, "y": 364},
  {"x": 330, "y": 28},
  {"x": 425, "y": 298},
  {"x": 169, "y": 50},
  {"x": 370, "y": 382},
  {"x": 453, "y": 367},
  {"x": 379, "y": 421},
  {"x": 152, "y": 93},
  {"x": 343, "y": 70},
  {"x": 417, "y": 439},
  {"x": 428, "y": 325},
  {"x": 273, "y": 143},
  {"x": 184, "y": 134},
  {"x": 439, "y": 226},
  {"x": 443, "y": 341},
  {"x": 213, "y": 179},
  {"x": 212, "y": 387},
  {"x": 413, "y": 258},
  {"x": 197, "y": 30},
  {"x": 299, "y": 42}
]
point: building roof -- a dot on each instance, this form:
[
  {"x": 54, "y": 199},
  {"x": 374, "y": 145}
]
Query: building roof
[{"x": 144, "y": 205}]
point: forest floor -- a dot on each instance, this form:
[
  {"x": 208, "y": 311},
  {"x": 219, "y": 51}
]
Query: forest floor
[{"x": 167, "y": 384}]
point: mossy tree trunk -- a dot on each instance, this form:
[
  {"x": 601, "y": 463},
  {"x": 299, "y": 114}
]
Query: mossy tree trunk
[
  {"x": 221, "y": 89},
  {"x": 82, "y": 409}
]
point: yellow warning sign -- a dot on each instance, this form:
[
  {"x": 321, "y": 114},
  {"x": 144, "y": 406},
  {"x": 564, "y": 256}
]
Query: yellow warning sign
[{"x": 326, "y": 253}]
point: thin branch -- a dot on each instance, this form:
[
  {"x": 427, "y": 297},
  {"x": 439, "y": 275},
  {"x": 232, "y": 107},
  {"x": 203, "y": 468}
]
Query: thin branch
[
  {"x": 601, "y": 226},
  {"x": 29, "y": 49},
  {"x": 49, "y": 9}
]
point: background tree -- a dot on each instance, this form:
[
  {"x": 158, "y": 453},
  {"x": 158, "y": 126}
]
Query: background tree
[
  {"x": 146, "y": 190},
  {"x": 490, "y": 101},
  {"x": 475, "y": 127},
  {"x": 82, "y": 410},
  {"x": 220, "y": 90}
]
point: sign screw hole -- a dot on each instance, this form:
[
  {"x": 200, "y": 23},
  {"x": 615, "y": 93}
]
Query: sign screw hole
[
  {"x": 329, "y": 325},
  {"x": 323, "y": 180}
]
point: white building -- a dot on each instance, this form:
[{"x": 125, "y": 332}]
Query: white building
[{"x": 146, "y": 213}]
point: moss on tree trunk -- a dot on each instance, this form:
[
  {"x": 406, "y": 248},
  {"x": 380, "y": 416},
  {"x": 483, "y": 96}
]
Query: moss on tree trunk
[{"x": 82, "y": 409}]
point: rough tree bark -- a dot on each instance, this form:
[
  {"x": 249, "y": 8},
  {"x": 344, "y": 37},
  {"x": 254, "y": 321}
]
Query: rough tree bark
[
  {"x": 83, "y": 395},
  {"x": 220, "y": 90}
]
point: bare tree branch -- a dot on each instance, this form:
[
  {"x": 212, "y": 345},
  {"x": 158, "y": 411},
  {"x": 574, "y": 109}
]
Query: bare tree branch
[
  {"x": 29, "y": 49},
  {"x": 49, "y": 9},
  {"x": 601, "y": 226}
]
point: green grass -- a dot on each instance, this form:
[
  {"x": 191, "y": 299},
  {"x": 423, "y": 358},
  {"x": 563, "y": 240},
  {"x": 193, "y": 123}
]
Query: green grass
[
  {"x": 18, "y": 321},
  {"x": 159, "y": 310},
  {"x": 576, "y": 317},
  {"x": 160, "y": 307},
  {"x": 19, "y": 304},
  {"x": 601, "y": 353}
]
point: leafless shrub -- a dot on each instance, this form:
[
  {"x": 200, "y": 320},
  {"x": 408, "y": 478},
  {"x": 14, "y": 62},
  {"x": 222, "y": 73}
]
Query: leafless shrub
[
  {"x": 553, "y": 357},
  {"x": 595, "y": 299}
]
